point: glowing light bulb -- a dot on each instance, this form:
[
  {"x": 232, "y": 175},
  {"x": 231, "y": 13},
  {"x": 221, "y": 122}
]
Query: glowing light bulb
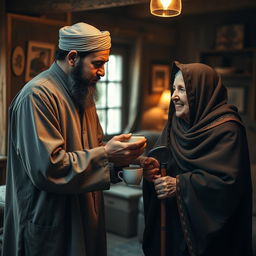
[{"x": 165, "y": 3}]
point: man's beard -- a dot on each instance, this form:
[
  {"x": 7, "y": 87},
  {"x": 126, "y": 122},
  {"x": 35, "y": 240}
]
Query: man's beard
[{"x": 83, "y": 92}]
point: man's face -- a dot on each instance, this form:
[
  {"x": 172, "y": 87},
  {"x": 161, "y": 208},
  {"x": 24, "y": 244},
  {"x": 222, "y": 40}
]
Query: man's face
[
  {"x": 93, "y": 66},
  {"x": 87, "y": 71},
  {"x": 179, "y": 97}
]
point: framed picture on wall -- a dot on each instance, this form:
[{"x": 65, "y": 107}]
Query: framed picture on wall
[
  {"x": 236, "y": 96},
  {"x": 160, "y": 77},
  {"x": 18, "y": 61},
  {"x": 39, "y": 57},
  {"x": 230, "y": 37}
]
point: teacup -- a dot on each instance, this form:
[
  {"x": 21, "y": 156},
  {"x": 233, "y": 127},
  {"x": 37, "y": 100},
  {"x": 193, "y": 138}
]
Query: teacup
[
  {"x": 131, "y": 175},
  {"x": 136, "y": 137}
]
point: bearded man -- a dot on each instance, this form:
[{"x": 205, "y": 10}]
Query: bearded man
[{"x": 57, "y": 162}]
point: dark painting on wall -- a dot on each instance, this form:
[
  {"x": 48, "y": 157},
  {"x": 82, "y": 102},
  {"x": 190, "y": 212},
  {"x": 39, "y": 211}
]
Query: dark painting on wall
[
  {"x": 39, "y": 58},
  {"x": 230, "y": 37},
  {"x": 160, "y": 77}
]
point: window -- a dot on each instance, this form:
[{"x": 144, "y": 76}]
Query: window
[{"x": 110, "y": 93}]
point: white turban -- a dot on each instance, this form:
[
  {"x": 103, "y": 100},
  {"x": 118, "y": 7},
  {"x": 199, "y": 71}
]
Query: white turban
[{"x": 83, "y": 38}]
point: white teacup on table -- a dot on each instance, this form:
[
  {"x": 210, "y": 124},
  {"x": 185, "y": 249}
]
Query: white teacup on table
[{"x": 131, "y": 175}]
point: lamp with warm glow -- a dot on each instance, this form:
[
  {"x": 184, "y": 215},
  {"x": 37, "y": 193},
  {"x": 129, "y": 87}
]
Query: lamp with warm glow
[
  {"x": 165, "y": 8},
  {"x": 164, "y": 102}
]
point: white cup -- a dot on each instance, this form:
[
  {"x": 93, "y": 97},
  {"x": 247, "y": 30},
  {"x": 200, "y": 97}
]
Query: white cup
[
  {"x": 131, "y": 175},
  {"x": 135, "y": 138}
]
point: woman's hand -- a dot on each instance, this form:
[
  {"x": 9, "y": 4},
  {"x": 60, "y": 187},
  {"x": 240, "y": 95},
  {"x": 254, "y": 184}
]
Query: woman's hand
[
  {"x": 150, "y": 168},
  {"x": 165, "y": 186}
]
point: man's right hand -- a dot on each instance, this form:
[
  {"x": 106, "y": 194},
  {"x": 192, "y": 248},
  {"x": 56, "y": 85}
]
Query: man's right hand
[{"x": 122, "y": 153}]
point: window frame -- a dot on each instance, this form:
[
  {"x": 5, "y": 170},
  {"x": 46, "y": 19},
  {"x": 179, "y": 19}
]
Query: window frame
[{"x": 123, "y": 50}]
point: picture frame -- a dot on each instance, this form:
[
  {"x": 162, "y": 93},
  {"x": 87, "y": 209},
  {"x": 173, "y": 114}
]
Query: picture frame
[
  {"x": 160, "y": 77},
  {"x": 40, "y": 56},
  {"x": 236, "y": 96},
  {"x": 230, "y": 37},
  {"x": 18, "y": 61}
]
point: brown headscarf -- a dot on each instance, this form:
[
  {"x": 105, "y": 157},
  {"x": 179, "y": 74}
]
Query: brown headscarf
[
  {"x": 206, "y": 94},
  {"x": 207, "y": 98}
]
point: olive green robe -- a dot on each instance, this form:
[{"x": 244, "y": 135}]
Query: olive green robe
[{"x": 56, "y": 170}]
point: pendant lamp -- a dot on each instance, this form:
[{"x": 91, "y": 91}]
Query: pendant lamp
[{"x": 165, "y": 8}]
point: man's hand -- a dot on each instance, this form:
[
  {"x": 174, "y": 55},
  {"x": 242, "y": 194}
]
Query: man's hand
[
  {"x": 122, "y": 153},
  {"x": 150, "y": 168},
  {"x": 165, "y": 186}
]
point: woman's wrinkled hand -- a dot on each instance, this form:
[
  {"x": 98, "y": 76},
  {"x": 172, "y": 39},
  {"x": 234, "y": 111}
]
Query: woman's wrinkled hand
[
  {"x": 165, "y": 186},
  {"x": 150, "y": 168}
]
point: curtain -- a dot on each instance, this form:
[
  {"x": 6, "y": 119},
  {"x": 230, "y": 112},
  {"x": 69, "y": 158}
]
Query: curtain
[{"x": 136, "y": 95}]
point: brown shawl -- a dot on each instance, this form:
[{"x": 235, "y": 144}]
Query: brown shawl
[{"x": 211, "y": 154}]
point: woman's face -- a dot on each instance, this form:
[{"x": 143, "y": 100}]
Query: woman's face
[{"x": 179, "y": 97}]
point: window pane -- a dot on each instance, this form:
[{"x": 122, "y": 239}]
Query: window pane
[
  {"x": 114, "y": 94},
  {"x": 115, "y": 68},
  {"x": 109, "y": 100},
  {"x": 101, "y": 91},
  {"x": 102, "y": 117},
  {"x": 114, "y": 121}
]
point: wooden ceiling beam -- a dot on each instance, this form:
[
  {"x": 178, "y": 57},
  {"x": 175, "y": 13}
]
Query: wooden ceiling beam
[
  {"x": 190, "y": 7},
  {"x": 50, "y": 6},
  {"x": 204, "y": 6}
]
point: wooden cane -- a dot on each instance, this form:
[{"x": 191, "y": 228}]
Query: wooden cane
[
  {"x": 162, "y": 154},
  {"x": 163, "y": 218}
]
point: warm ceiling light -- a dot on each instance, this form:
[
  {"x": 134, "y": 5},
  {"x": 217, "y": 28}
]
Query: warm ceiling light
[{"x": 165, "y": 8}]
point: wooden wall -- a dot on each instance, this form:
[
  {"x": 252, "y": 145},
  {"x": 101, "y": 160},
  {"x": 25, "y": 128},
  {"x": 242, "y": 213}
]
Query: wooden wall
[
  {"x": 3, "y": 160},
  {"x": 21, "y": 30},
  {"x": 198, "y": 32},
  {"x": 2, "y": 78}
]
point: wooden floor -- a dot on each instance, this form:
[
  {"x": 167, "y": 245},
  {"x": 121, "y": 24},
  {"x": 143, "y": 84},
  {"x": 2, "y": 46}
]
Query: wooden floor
[{"x": 118, "y": 245}]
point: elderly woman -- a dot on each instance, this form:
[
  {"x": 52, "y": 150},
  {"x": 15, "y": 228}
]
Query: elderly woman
[{"x": 208, "y": 185}]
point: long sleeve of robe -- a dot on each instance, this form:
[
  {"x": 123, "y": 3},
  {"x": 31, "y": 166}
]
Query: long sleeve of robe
[
  {"x": 56, "y": 171},
  {"x": 40, "y": 146}
]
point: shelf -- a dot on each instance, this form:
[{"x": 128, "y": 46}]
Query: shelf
[
  {"x": 231, "y": 51},
  {"x": 237, "y": 68},
  {"x": 237, "y": 76}
]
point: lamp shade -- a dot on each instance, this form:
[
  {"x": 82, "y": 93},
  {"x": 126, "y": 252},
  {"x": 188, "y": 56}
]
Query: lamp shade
[
  {"x": 165, "y": 8},
  {"x": 165, "y": 100}
]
